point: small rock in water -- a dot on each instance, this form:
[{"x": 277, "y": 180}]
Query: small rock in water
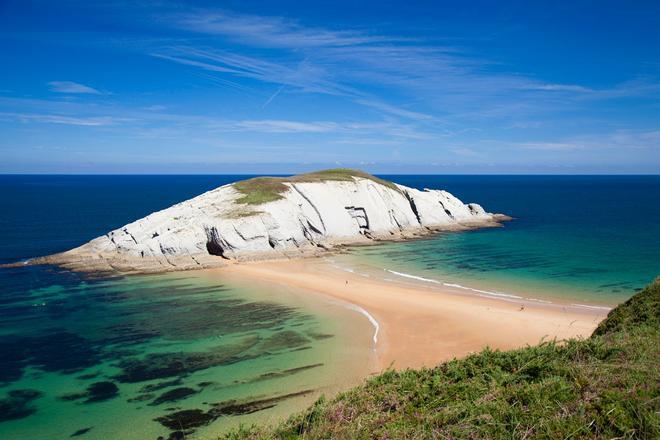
[{"x": 80, "y": 432}]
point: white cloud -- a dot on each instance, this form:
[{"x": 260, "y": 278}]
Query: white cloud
[
  {"x": 264, "y": 31},
  {"x": 279, "y": 126},
  {"x": 92, "y": 121},
  {"x": 303, "y": 75},
  {"x": 72, "y": 87},
  {"x": 619, "y": 141},
  {"x": 559, "y": 88},
  {"x": 422, "y": 79},
  {"x": 354, "y": 129},
  {"x": 552, "y": 146},
  {"x": 462, "y": 151}
]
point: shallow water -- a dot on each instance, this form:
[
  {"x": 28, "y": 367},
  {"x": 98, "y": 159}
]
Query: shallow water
[
  {"x": 591, "y": 240},
  {"x": 194, "y": 352}
]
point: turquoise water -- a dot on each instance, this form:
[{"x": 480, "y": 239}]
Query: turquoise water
[
  {"x": 578, "y": 239},
  {"x": 150, "y": 356}
]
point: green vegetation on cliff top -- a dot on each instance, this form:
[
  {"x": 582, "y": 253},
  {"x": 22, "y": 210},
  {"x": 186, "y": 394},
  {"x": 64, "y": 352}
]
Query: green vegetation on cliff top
[
  {"x": 268, "y": 189},
  {"x": 605, "y": 386}
]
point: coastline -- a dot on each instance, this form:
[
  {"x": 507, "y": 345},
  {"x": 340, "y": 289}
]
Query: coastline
[
  {"x": 419, "y": 325},
  {"x": 89, "y": 260}
]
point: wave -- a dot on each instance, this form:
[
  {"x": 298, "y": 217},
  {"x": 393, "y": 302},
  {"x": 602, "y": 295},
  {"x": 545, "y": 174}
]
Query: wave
[
  {"x": 485, "y": 292},
  {"x": 539, "y": 300},
  {"x": 371, "y": 319},
  {"x": 592, "y": 307},
  {"x": 456, "y": 286},
  {"x": 414, "y": 277}
]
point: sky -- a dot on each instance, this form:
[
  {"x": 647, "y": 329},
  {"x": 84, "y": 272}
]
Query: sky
[{"x": 429, "y": 87}]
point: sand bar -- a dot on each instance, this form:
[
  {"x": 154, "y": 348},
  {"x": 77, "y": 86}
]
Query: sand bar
[{"x": 418, "y": 325}]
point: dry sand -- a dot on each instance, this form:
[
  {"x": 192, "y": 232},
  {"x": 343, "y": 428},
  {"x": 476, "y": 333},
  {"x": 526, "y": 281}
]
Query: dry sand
[{"x": 420, "y": 325}]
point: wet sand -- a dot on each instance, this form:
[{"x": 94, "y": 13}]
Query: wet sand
[{"x": 415, "y": 324}]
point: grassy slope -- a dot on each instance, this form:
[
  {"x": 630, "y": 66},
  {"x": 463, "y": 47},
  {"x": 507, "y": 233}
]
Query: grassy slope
[
  {"x": 603, "y": 387},
  {"x": 268, "y": 189}
]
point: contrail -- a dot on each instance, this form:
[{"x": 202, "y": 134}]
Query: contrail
[{"x": 273, "y": 96}]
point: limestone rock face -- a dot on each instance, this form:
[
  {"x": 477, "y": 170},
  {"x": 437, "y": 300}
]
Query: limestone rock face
[{"x": 309, "y": 218}]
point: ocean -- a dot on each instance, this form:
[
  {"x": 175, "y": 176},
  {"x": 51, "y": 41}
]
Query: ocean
[
  {"x": 116, "y": 358},
  {"x": 590, "y": 240}
]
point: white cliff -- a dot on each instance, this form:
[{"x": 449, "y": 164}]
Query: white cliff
[{"x": 307, "y": 218}]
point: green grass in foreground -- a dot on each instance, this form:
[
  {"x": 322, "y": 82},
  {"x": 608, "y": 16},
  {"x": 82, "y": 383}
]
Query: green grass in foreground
[
  {"x": 268, "y": 189},
  {"x": 603, "y": 387}
]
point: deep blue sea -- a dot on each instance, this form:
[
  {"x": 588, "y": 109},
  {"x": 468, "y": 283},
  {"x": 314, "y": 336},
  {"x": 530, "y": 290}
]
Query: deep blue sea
[{"x": 85, "y": 358}]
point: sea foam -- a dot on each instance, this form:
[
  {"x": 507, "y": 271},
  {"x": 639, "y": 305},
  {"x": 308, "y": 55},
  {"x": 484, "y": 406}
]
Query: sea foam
[
  {"x": 369, "y": 316},
  {"x": 456, "y": 286}
]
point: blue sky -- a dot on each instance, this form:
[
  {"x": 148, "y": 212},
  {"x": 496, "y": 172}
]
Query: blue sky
[{"x": 282, "y": 87}]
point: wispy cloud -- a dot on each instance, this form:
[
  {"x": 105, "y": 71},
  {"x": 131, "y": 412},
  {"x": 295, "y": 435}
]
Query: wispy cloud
[
  {"x": 303, "y": 76},
  {"x": 384, "y": 128},
  {"x": 91, "y": 121},
  {"x": 265, "y": 31},
  {"x": 466, "y": 152},
  {"x": 423, "y": 80},
  {"x": 280, "y": 126},
  {"x": 156, "y": 120},
  {"x": 618, "y": 141},
  {"x": 558, "y": 88},
  {"x": 552, "y": 146},
  {"x": 72, "y": 87}
]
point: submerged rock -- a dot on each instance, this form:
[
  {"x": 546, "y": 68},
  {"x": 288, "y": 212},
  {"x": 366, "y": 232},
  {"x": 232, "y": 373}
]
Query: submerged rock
[
  {"x": 270, "y": 217},
  {"x": 96, "y": 392},
  {"x": 319, "y": 336},
  {"x": 282, "y": 373},
  {"x": 52, "y": 350},
  {"x": 177, "y": 435},
  {"x": 161, "y": 385},
  {"x": 80, "y": 432},
  {"x": 17, "y": 404},
  {"x": 100, "y": 391},
  {"x": 241, "y": 407},
  {"x": 284, "y": 339},
  {"x": 174, "y": 395},
  {"x": 141, "y": 398},
  {"x": 186, "y": 419},
  {"x": 163, "y": 365}
]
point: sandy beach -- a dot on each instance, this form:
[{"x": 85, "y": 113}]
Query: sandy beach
[{"x": 415, "y": 324}]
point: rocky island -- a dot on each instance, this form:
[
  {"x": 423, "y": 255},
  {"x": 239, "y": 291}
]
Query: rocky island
[{"x": 273, "y": 217}]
